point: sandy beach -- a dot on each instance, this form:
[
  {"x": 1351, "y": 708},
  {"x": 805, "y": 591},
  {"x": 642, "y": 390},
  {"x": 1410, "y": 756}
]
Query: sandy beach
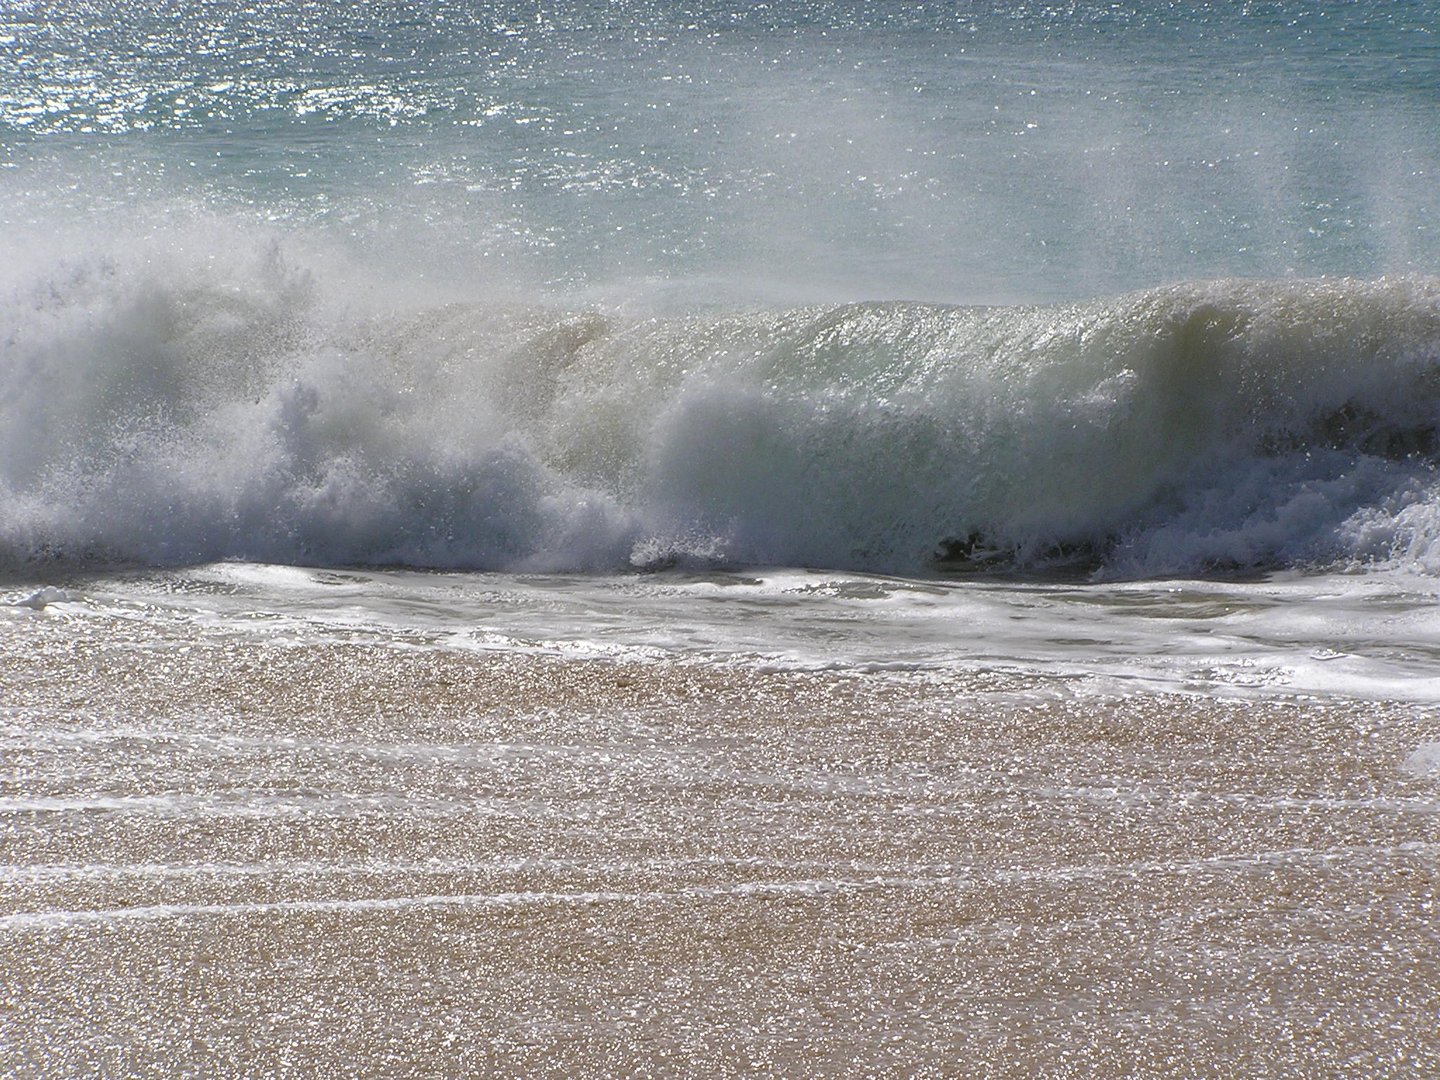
[{"x": 228, "y": 857}]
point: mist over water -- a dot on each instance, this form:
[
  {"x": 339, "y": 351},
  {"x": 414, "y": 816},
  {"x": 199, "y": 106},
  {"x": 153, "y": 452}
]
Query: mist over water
[
  {"x": 255, "y": 413},
  {"x": 960, "y": 153}
]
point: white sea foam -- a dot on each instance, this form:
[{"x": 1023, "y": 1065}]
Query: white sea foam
[
  {"x": 1338, "y": 635},
  {"x": 168, "y": 410},
  {"x": 1424, "y": 761},
  {"x": 42, "y": 598}
]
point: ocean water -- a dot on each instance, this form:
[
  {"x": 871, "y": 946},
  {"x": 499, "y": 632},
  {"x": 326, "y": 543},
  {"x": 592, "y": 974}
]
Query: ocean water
[{"x": 722, "y": 539}]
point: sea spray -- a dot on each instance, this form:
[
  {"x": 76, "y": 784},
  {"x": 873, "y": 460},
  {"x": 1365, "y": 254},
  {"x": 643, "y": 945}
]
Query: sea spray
[{"x": 169, "y": 411}]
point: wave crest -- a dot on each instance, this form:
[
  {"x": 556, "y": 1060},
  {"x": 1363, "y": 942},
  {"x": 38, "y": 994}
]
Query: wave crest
[{"x": 182, "y": 412}]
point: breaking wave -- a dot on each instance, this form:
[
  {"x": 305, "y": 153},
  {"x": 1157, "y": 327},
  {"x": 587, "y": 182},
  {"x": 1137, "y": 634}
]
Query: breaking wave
[{"x": 194, "y": 407}]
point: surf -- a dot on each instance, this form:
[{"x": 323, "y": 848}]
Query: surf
[{"x": 163, "y": 412}]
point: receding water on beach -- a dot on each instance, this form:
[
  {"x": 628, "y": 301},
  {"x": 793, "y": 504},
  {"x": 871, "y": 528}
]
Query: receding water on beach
[
  {"x": 256, "y": 849},
  {"x": 705, "y": 539}
]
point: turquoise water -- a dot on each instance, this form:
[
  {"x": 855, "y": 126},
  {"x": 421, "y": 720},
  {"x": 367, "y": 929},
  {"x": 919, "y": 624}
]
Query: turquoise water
[{"x": 955, "y": 152}]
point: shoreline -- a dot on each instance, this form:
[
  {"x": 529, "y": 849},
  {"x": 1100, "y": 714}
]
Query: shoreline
[{"x": 228, "y": 857}]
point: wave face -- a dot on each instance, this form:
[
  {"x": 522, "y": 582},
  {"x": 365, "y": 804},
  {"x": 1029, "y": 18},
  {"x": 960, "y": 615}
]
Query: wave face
[{"x": 176, "y": 407}]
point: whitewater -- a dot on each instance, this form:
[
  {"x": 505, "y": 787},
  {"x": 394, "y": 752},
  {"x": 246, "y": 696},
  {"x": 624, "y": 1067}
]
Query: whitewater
[
  {"x": 246, "y": 415},
  {"x": 718, "y": 539}
]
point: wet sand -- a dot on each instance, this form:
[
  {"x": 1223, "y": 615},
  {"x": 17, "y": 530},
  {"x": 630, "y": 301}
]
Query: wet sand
[{"x": 232, "y": 856}]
